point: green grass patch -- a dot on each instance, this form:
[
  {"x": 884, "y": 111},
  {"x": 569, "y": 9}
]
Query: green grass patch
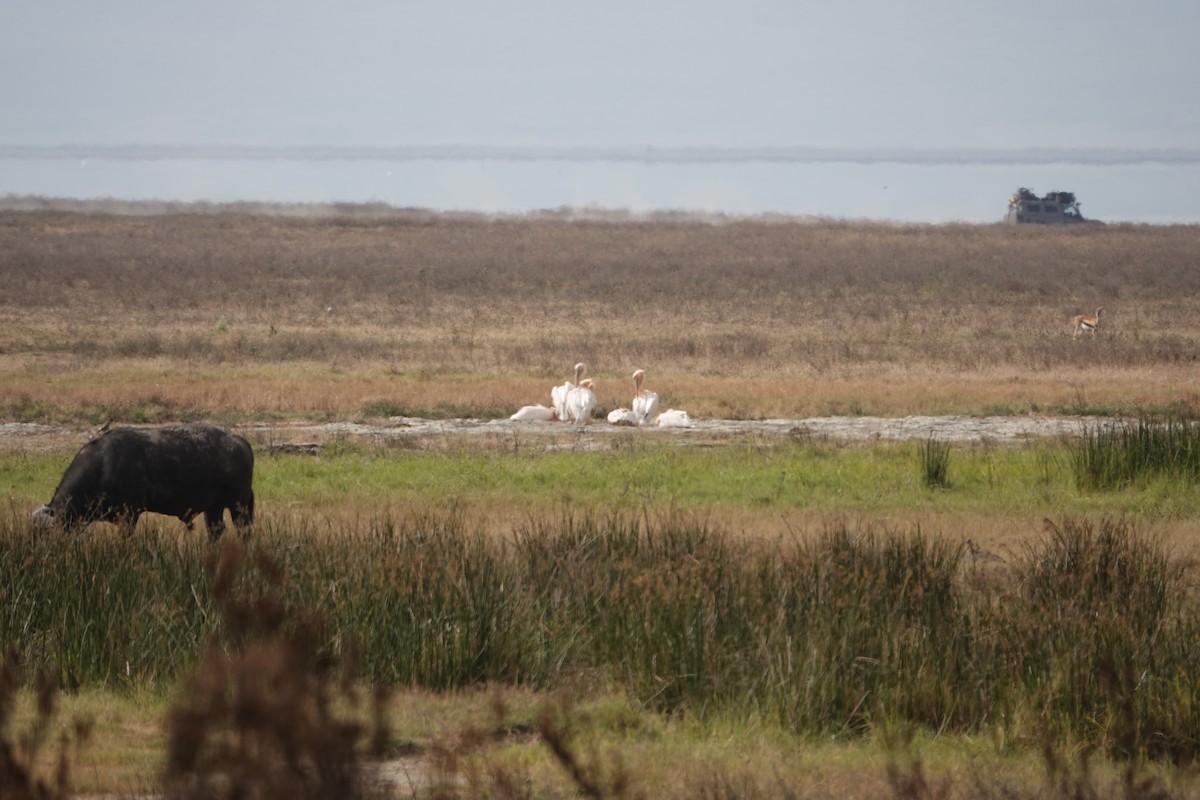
[{"x": 988, "y": 480}]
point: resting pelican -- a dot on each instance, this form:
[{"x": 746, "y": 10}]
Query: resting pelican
[
  {"x": 622, "y": 416},
  {"x": 534, "y": 413},
  {"x": 558, "y": 395},
  {"x": 645, "y": 402},
  {"x": 581, "y": 402},
  {"x": 675, "y": 418}
]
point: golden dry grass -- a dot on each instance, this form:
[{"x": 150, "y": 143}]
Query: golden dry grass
[
  {"x": 235, "y": 313},
  {"x": 468, "y": 739}
]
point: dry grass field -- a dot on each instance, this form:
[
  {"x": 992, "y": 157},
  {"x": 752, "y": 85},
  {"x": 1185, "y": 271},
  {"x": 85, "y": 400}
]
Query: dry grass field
[{"x": 366, "y": 310}]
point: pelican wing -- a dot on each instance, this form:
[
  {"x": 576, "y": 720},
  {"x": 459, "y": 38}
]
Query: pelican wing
[
  {"x": 558, "y": 398},
  {"x": 581, "y": 403},
  {"x": 645, "y": 406}
]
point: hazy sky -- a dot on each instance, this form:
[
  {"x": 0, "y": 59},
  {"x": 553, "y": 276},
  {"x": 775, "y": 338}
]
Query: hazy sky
[
  {"x": 850, "y": 73},
  {"x": 1089, "y": 77}
]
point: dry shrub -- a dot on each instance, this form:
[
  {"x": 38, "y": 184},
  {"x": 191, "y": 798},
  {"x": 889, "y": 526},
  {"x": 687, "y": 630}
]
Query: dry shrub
[
  {"x": 261, "y": 715},
  {"x": 20, "y": 754},
  {"x": 594, "y": 774}
]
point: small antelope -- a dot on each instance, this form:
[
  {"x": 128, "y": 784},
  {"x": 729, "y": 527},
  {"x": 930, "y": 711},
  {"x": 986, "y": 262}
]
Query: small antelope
[{"x": 1087, "y": 324}]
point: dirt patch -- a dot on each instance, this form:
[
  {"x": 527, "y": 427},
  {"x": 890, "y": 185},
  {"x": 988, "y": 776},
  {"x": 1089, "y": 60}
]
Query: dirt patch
[
  {"x": 417, "y": 433},
  {"x": 557, "y": 434}
]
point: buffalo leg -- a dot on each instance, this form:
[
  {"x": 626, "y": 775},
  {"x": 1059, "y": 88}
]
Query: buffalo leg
[
  {"x": 243, "y": 514},
  {"x": 214, "y": 519}
]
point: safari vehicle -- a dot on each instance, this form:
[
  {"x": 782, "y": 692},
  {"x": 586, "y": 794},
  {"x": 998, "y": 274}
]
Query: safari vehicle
[{"x": 1056, "y": 208}]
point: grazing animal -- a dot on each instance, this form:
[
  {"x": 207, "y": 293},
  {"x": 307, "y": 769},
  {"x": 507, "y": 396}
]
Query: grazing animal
[
  {"x": 645, "y": 402},
  {"x": 1086, "y": 324},
  {"x": 181, "y": 471},
  {"x": 581, "y": 402},
  {"x": 674, "y": 418},
  {"x": 558, "y": 395},
  {"x": 535, "y": 413}
]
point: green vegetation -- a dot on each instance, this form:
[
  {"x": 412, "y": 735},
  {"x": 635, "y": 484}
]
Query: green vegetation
[
  {"x": 845, "y": 632},
  {"x": 935, "y": 463},
  {"x": 508, "y": 484},
  {"x": 1121, "y": 454}
]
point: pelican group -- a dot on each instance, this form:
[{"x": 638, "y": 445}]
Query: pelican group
[{"x": 575, "y": 401}]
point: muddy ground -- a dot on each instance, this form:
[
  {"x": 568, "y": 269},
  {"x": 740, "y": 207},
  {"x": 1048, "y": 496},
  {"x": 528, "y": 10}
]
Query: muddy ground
[{"x": 424, "y": 433}]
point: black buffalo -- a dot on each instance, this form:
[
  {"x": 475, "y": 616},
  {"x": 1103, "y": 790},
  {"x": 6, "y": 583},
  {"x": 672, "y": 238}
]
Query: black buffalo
[{"x": 181, "y": 471}]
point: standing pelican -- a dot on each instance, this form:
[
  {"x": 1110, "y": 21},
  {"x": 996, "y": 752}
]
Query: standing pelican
[
  {"x": 645, "y": 402},
  {"x": 558, "y": 395},
  {"x": 581, "y": 402}
]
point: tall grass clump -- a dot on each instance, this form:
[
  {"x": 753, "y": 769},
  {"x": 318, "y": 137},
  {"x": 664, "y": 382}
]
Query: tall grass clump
[
  {"x": 431, "y": 602},
  {"x": 102, "y": 609},
  {"x": 649, "y": 605},
  {"x": 935, "y": 463},
  {"x": 867, "y": 627},
  {"x": 1090, "y": 634},
  {"x": 270, "y": 710},
  {"x": 823, "y": 635},
  {"x": 1104, "y": 635},
  {"x": 1120, "y": 454}
]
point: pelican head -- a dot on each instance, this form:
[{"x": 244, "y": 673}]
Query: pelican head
[
  {"x": 639, "y": 375},
  {"x": 579, "y": 370}
]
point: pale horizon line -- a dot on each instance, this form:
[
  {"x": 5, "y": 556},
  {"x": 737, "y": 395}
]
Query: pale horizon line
[{"x": 799, "y": 154}]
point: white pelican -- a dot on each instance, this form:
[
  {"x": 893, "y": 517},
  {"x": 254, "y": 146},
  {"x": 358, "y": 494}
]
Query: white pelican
[
  {"x": 622, "y": 416},
  {"x": 536, "y": 413},
  {"x": 645, "y": 402},
  {"x": 558, "y": 395},
  {"x": 675, "y": 418},
  {"x": 581, "y": 402}
]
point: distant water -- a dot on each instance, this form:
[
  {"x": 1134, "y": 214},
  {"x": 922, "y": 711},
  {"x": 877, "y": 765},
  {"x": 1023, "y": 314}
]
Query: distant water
[{"x": 1163, "y": 190}]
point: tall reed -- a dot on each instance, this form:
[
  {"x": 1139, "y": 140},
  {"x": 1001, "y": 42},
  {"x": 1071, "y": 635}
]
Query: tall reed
[
  {"x": 1090, "y": 634},
  {"x": 935, "y": 463},
  {"x": 1118, "y": 454}
]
